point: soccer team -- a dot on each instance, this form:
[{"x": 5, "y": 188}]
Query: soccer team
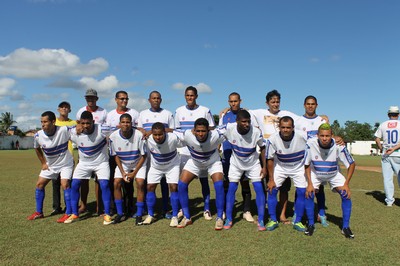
[{"x": 266, "y": 146}]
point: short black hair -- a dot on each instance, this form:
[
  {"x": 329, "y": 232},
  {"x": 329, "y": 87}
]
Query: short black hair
[
  {"x": 118, "y": 92},
  {"x": 158, "y": 125},
  {"x": 201, "y": 122},
  {"x": 126, "y": 115},
  {"x": 286, "y": 119},
  {"x": 271, "y": 94},
  {"x": 242, "y": 114},
  {"x": 191, "y": 88},
  {"x": 310, "y": 97},
  {"x": 87, "y": 115},
  {"x": 154, "y": 92},
  {"x": 50, "y": 115},
  {"x": 234, "y": 94}
]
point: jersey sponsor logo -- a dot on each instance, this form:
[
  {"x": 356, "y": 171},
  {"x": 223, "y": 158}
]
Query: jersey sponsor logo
[{"x": 392, "y": 124}]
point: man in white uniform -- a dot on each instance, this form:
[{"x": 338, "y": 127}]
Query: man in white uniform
[
  {"x": 51, "y": 146},
  {"x": 93, "y": 159},
  {"x": 185, "y": 116}
]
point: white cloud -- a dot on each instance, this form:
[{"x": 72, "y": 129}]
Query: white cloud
[
  {"x": 43, "y": 97},
  {"x": 24, "y": 106},
  {"x": 45, "y": 63},
  {"x": 201, "y": 87},
  {"x": 104, "y": 87},
  {"x": 204, "y": 88},
  {"x": 5, "y": 108},
  {"x": 178, "y": 86},
  {"x": 5, "y": 86},
  {"x": 314, "y": 60},
  {"x": 25, "y": 122}
]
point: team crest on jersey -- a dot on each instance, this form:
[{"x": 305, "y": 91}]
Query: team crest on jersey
[
  {"x": 392, "y": 124},
  {"x": 119, "y": 148},
  {"x": 44, "y": 146},
  {"x": 152, "y": 149},
  {"x": 183, "y": 118},
  {"x": 82, "y": 144},
  {"x": 279, "y": 151},
  {"x": 234, "y": 141},
  {"x": 147, "y": 120},
  {"x": 304, "y": 129},
  {"x": 316, "y": 157}
]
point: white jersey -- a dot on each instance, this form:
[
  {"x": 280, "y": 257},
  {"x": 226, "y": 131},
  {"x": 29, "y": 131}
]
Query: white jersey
[
  {"x": 244, "y": 147},
  {"x": 148, "y": 117},
  {"x": 185, "y": 118},
  {"x": 325, "y": 162},
  {"x": 93, "y": 148},
  {"x": 288, "y": 155},
  {"x": 128, "y": 150},
  {"x": 389, "y": 132},
  {"x": 202, "y": 153},
  {"x": 112, "y": 120},
  {"x": 55, "y": 148},
  {"x": 164, "y": 155},
  {"x": 309, "y": 125},
  {"x": 267, "y": 121},
  {"x": 99, "y": 116}
]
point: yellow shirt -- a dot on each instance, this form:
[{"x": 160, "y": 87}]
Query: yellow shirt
[{"x": 69, "y": 123}]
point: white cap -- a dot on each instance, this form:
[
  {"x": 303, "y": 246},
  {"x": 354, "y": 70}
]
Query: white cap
[{"x": 393, "y": 110}]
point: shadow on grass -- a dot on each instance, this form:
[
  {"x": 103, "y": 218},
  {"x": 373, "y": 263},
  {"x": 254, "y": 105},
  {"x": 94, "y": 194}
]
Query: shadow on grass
[{"x": 378, "y": 195}]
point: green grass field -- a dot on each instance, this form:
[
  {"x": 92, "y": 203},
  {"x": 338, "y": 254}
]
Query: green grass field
[{"x": 88, "y": 242}]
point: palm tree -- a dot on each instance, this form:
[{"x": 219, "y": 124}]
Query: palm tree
[{"x": 6, "y": 120}]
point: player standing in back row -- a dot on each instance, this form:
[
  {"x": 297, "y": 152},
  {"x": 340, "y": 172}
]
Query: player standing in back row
[{"x": 185, "y": 117}]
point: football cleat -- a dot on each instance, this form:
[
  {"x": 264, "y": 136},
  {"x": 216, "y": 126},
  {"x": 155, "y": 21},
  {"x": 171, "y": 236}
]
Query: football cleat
[
  {"x": 272, "y": 225},
  {"x": 207, "y": 215},
  {"x": 107, "y": 219},
  {"x": 261, "y": 226},
  {"x": 323, "y": 220},
  {"x": 248, "y": 217},
  {"x": 219, "y": 224},
  {"x": 72, "y": 218},
  {"x": 299, "y": 227},
  {"x": 310, "y": 230},
  {"x": 185, "y": 222},
  {"x": 63, "y": 218},
  {"x": 228, "y": 224},
  {"x": 139, "y": 220},
  {"x": 36, "y": 215},
  {"x": 149, "y": 219},
  {"x": 348, "y": 233},
  {"x": 174, "y": 221}
]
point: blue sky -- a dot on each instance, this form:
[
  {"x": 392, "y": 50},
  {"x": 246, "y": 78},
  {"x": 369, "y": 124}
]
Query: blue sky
[{"x": 346, "y": 53}]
